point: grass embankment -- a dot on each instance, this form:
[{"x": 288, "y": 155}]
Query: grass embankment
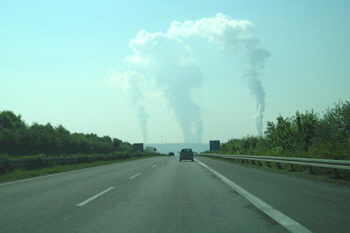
[
  {"x": 319, "y": 174},
  {"x": 22, "y": 173}
]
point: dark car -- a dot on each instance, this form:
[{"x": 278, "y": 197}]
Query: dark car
[
  {"x": 171, "y": 154},
  {"x": 186, "y": 154}
]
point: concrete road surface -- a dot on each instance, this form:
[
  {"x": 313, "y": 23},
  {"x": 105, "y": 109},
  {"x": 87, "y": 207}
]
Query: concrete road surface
[{"x": 164, "y": 195}]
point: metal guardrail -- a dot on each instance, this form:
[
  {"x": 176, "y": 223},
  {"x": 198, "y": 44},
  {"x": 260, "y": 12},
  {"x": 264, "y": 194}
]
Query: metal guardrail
[{"x": 326, "y": 163}]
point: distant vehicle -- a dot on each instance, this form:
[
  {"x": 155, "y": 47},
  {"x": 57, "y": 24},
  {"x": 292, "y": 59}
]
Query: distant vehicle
[
  {"x": 186, "y": 154},
  {"x": 171, "y": 154}
]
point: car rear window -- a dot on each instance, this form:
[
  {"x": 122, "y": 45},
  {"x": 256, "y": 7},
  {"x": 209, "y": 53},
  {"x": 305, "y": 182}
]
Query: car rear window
[{"x": 186, "y": 150}]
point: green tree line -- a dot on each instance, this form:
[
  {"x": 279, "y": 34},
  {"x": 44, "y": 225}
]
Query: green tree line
[
  {"x": 19, "y": 139},
  {"x": 308, "y": 134}
]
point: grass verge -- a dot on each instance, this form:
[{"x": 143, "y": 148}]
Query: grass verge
[{"x": 22, "y": 173}]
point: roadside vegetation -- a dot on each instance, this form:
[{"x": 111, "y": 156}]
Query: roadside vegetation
[
  {"x": 19, "y": 139},
  {"x": 304, "y": 135},
  {"x": 309, "y": 135},
  {"x": 323, "y": 135},
  {"x": 37, "y": 142}
]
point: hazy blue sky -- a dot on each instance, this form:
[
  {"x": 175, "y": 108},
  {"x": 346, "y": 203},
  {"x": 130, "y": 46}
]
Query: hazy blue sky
[{"x": 172, "y": 71}]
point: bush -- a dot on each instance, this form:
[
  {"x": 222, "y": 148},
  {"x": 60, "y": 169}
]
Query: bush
[{"x": 330, "y": 150}]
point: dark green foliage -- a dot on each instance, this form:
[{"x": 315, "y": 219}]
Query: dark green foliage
[
  {"x": 303, "y": 135},
  {"x": 250, "y": 145},
  {"x": 293, "y": 134},
  {"x": 116, "y": 143},
  {"x": 230, "y": 146},
  {"x": 335, "y": 125},
  {"x": 18, "y": 139}
]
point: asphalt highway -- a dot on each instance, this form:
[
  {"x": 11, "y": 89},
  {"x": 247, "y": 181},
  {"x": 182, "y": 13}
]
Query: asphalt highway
[{"x": 164, "y": 195}]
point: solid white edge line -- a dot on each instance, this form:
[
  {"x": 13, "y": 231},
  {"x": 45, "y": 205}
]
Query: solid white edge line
[
  {"x": 134, "y": 176},
  {"x": 94, "y": 197},
  {"x": 281, "y": 218}
]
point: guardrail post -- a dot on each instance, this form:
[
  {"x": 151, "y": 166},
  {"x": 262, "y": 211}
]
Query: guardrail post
[
  {"x": 4, "y": 165},
  {"x": 336, "y": 174},
  {"x": 252, "y": 162},
  {"x": 268, "y": 164},
  {"x": 310, "y": 170},
  {"x": 278, "y": 166},
  {"x": 259, "y": 164},
  {"x": 292, "y": 168}
]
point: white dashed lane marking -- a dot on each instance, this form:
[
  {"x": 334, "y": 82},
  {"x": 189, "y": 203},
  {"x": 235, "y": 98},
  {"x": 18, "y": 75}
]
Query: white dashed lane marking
[
  {"x": 132, "y": 177},
  {"x": 94, "y": 197}
]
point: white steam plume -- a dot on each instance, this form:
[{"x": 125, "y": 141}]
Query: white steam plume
[
  {"x": 257, "y": 61},
  {"x": 171, "y": 64},
  {"x": 230, "y": 35},
  {"x": 143, "y": 117},
  {"x": 132, "y": 86},
  {"x": 167, "y": 60}
]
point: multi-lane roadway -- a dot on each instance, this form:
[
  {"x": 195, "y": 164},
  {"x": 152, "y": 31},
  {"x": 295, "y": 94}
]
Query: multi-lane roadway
[{"x": 162, "y": 194}]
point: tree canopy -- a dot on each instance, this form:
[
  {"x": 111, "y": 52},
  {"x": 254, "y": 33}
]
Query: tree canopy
[
  {"x": 306, "y": 134},
  {"x": 17, "y": 138}
]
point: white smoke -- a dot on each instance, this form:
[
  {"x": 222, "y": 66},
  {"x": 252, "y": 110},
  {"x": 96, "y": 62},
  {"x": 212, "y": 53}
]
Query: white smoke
[
  {"x": 143, "y": 117},
  {"x": 171, "y": 64},
  {"x": 132, "y": 81},
  {"x": 165, "y": 59},
  {"x": 230, "y": 35},
  {"x": 257, "y": 61},
  {"x": 220, "y": 30}
]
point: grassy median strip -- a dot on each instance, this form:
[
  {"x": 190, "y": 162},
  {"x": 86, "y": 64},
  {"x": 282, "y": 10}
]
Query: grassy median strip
[{"x": 22, "y": 173}]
